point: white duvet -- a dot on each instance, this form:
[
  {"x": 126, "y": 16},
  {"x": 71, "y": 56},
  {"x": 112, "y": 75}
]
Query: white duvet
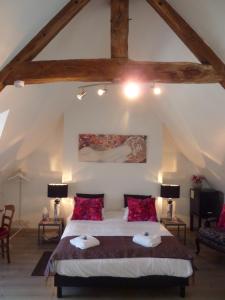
[{"x": 114, "y": 225}]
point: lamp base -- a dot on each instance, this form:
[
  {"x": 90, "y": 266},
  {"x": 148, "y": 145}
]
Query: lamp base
[
  {"x": 170, "y": 209},
  {"x": 56, "y": 209}
]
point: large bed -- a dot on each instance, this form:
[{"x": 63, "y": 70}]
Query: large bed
[{"x": 141, "y": 271}]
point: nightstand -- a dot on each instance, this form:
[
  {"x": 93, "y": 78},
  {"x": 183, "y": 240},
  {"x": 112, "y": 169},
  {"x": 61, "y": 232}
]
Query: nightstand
[
  {"x": 177, "y": 223},
  {"x": 43, "y": 233}
]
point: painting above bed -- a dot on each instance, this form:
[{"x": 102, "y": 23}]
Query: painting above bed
[{"x": 112, "y": 148}]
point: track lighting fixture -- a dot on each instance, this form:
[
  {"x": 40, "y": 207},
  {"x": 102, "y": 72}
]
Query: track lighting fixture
[
  {"x": 156, "y": 89},
  {"x": 81, "y": 94},
  {"x": 102, "y": 91},
  {"x": 131, "y": 89}
]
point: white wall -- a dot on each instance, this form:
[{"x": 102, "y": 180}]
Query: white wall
[
  {"x": 193, "y": 113},
  {"x": 57, "y": 158},
  {"x": 176, "y": 169},
  {"x": 42, "y": 167},
  {"x": 112, "y": 115}
]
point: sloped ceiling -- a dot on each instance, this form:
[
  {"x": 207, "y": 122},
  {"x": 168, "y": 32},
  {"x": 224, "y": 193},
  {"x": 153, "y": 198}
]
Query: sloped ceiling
[{"x": 193, "y": 113}]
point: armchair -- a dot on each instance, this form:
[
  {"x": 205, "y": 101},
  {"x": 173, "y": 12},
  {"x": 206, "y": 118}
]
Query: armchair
[{"x": 211, "y": 236}]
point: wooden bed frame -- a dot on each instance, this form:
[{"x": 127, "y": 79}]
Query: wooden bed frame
[{"x": 146, "y": 281}]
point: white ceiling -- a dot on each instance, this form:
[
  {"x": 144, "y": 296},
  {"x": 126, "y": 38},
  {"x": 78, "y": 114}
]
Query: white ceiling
[{"x": 193, "y": 113}]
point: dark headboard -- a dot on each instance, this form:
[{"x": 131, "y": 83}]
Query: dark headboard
[{"x": 135, "y": 196}]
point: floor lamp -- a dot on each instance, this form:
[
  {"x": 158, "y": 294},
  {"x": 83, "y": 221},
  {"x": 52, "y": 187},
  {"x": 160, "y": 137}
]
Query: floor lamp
[{"x": 20, "y": 177}]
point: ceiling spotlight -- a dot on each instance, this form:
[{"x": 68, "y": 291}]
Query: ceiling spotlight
[
  {"x": 156, "y": 90},
  {"x": 19, "y": 83},
  {"x": 101, "y": 91},
  {"x": 131, "y": 90},
  {"x": 81, "y": 94}
]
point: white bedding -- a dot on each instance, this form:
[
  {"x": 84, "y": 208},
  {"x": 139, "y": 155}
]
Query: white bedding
[{"x": 114, "y": 225}]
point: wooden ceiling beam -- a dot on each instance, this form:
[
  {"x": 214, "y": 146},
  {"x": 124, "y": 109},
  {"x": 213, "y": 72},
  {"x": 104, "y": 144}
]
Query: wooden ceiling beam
[
  {"x": 187, "y": 34},
  {"x": 100, "y": 70},
  {"x": 40, "y": 41},
  {"x": 119, "y": 28}
]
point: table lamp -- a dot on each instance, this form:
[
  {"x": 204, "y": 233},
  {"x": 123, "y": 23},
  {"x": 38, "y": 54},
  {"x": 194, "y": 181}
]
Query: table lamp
[
  {"x": 170, "y": 191},
  {"x": 58, "y": 191}
]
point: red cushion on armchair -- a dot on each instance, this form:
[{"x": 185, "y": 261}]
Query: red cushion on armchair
[
  {"x": 221, "y": 223},
  {"x": 3, "y": 231}
]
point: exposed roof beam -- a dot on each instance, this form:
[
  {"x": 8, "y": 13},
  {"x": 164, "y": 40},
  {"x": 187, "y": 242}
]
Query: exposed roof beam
[
  {"x": 189, "y": 37},
  {"x": 34, "y": 47},
  {"x": 119, "y": 28},
  {"x": 98, "y": 70}
]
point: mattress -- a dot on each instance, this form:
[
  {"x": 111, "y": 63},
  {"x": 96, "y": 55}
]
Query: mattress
[{"x": 114, "y": 225}]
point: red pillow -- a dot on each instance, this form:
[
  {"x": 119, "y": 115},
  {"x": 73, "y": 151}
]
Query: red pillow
[
  {"x": 141, "y": 209},
  {"x": 152, "y": 210},
  {"x": 221, "y": 223},
  {"x": 87, "y": 209}
]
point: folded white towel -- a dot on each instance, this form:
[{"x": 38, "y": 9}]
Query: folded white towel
[
  {"x": 147, "y": 240},
  {"x": 84, "y": 242}
]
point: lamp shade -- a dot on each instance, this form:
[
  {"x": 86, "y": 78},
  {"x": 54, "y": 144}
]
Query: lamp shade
[
  {"x": 170, "y": 191},
  {"x": 57, "y": 190}
]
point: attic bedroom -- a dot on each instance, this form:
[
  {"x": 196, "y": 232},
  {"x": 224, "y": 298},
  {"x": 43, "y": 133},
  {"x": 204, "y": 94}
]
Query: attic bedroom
[{"x": 112, "y": 149}]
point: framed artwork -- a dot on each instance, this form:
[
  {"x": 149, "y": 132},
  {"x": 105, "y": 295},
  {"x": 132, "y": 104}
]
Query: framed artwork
[{"x": 112, "y": 148}]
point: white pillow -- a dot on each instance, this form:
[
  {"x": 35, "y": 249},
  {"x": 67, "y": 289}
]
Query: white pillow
[{"x": 126, "y": 212}]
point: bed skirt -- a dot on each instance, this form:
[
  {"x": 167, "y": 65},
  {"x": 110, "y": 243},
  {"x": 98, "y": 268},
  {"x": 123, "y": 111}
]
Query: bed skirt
[{"x": 61, "y": 281}]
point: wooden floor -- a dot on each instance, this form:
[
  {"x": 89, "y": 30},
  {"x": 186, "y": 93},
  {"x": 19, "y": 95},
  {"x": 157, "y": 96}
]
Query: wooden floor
[{"x": 16, "y": 282}]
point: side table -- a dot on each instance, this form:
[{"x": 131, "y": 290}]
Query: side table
[
  {"x": 42, "y": 230},
  {"x": 176, "y": 222}
]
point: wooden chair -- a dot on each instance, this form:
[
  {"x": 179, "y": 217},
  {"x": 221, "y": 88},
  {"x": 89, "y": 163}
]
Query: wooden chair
[{"x": 5, "y": 229}]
